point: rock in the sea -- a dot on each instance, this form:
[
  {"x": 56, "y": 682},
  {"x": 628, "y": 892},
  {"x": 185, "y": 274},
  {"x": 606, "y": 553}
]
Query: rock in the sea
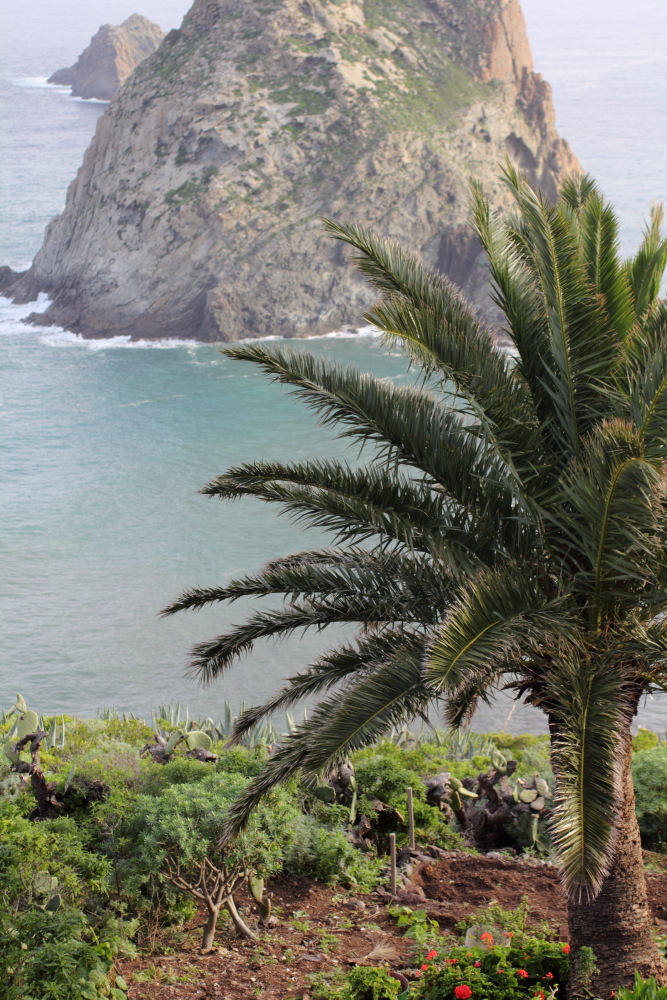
[
  {"x": 196, "y": 211},
  {"x": 114, "y": 52}
]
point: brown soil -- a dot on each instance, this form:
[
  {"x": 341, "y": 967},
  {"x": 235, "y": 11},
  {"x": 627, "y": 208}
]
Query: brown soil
[{"x": 320, "y": 928}]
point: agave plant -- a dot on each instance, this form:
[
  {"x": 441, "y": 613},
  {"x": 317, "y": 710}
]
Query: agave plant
[{"x": 508, "y": 529}]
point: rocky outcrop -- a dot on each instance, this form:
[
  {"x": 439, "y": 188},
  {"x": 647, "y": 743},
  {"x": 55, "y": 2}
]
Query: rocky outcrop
[
  {"x": 196, "y": 211},
  {"x": 114, "y": 52}
]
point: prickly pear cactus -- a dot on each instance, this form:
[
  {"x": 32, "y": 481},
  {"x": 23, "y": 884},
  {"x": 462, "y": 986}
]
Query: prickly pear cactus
[
  {"x": 196, "y": 740},
  {"x": 256, "y": 887},
  {"x": 28, "y": 722},
  {"x": 43, "y": 884},
  {"x": 173, "y": 742},
  {"x": 265, "y": 910},
  {"x": 324, "y": 793}
]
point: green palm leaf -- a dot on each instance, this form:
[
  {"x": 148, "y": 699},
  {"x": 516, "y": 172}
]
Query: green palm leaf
[
  {"x": 588, "y": 710},
  {"x": 497, "y": 617},
  {"x": 646, "y": 269},
  {"x": 345, "y": 722}
]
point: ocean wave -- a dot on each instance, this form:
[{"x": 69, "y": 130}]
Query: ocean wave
[
  {"x": 33, "y": 82},
  {"x": 13, "y": 316},
  {"x": 64, "y": 338},
  {"x": 42, "y": 83},
  {"x": 13, "y": 320},
  {"x": 84, "y": 100}
]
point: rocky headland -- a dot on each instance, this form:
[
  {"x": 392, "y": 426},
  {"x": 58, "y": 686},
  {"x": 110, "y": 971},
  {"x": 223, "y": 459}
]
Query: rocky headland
[
  {"x": 196, "y": 211},
  {"x": 114, "y": 52}
]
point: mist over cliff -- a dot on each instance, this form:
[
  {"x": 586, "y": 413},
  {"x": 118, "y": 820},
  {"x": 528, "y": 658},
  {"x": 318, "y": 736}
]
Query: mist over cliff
[{"x": 196, "y": 211}]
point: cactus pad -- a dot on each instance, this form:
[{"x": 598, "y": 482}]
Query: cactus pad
[{"x": 196, "y": 740}]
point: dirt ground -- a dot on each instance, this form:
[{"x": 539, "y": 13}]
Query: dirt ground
[{"x": 319, "y": 929}]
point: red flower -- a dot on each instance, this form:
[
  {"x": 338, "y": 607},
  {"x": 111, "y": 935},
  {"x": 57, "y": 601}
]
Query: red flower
[
  {"x": 549, "y": 975},
  {"x": 539, "y": 996},
  {"x": 418, "y": 973},
  {"x": 500, "y": 970},
  {"x": 522, "y": 972},
  {"x": 477, "y": 964},
  {"x": 487, "y": 937},
  {"x": 462, "y": 992},
  {"x": 424, "y": 968},
  {"x": 451, "y": 961},
  {"x": 431, "y": 954},
  {"x": 566, "y": 949}
]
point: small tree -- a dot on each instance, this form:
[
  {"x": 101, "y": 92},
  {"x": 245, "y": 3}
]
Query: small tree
[{"x": 178, "y": 834}]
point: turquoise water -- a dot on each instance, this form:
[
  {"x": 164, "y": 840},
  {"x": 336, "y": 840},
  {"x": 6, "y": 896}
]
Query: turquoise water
[{"x": 103, "y": 445}]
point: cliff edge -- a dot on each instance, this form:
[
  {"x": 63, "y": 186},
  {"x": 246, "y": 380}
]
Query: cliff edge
[
  {"x": 196, "y": 211},
  {"x": 114, "y": 52}
]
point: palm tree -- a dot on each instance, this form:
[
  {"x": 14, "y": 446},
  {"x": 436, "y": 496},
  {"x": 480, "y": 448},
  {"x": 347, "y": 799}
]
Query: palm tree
[{"x": 508, "y": 529}]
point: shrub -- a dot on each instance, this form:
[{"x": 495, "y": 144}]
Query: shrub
[
  {"x": 515, "y": 922},
  {"x": 175, "y": 836},
  {"x": 59, "y": 956},
  {"x": 645, "y": 739},
  {"x": 643, "y": 989},
  {"x": 649, "y": 772},
  {"x": 370, "y": 984},
  {"x": 385, "y": 772},
  {"x": 324, "y": 853},
  {"x": 537, "y": 966}
]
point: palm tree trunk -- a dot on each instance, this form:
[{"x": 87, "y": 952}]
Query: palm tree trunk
[{"x": 617, "y": 924}]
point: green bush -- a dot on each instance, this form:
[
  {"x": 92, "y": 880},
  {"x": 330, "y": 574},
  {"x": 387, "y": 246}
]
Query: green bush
[
  {"x": 386, "y": 771},
  {"x": 496, "y": 973},
  {"x": 370, "y": 984},
  {"x": 645, "y": 739},
  {"x": 649, "y": 772},
  {"x": 325, "y": 854},
  {"x": 60, "y": 956},
  {"x": 515, "y": 922},
  {"x": 643, "y": 989},
  {"x": 52, "y": 949}
]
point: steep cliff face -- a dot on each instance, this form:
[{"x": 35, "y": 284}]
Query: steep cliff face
[
  {"x": 196, "y": 211},
  {"x": 114, "y": 52}
]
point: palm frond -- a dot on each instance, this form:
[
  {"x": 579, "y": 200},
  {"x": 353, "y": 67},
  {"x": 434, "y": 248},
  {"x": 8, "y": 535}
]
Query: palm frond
[
  {"x": 358, "y": 505},
  {"x": 345, "y": 722},
  {"x": 210, "y": 659},
  {"x": 589, "y": 710},
  {"x": 645, "y": 380},
  {"x": 401, "y": 423},
  {"x": 501, "y": 615},
  {"x": 576, "y": 191},
  {"x": 598, "y": 233},
  {"x": 516, "y": 293},
  {"x": 645, "y": 270},
  {"x": 407, "y": 579},
  {"x": 583, "y": 347},
  {"x": 608, "y": 514},
  {"x": 424, "y": 313},
  {"x": 332, "y": 668}
]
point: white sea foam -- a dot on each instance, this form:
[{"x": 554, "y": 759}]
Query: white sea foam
[
  {"x": 13, "y": 316},
  {"x": 57, "y": 337},
  {"x": 33, "y": 82},
  {"x": 86, "y": 100}
]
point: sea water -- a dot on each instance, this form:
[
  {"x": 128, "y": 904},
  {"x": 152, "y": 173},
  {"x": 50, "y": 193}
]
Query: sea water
[{"x": 104, "y": 444}]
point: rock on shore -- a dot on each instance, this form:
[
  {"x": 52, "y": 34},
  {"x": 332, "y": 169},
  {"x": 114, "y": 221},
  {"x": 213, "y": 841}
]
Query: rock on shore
[
  {"x": 114, "y": 52},
  {"x": 196, "y": 211}
]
